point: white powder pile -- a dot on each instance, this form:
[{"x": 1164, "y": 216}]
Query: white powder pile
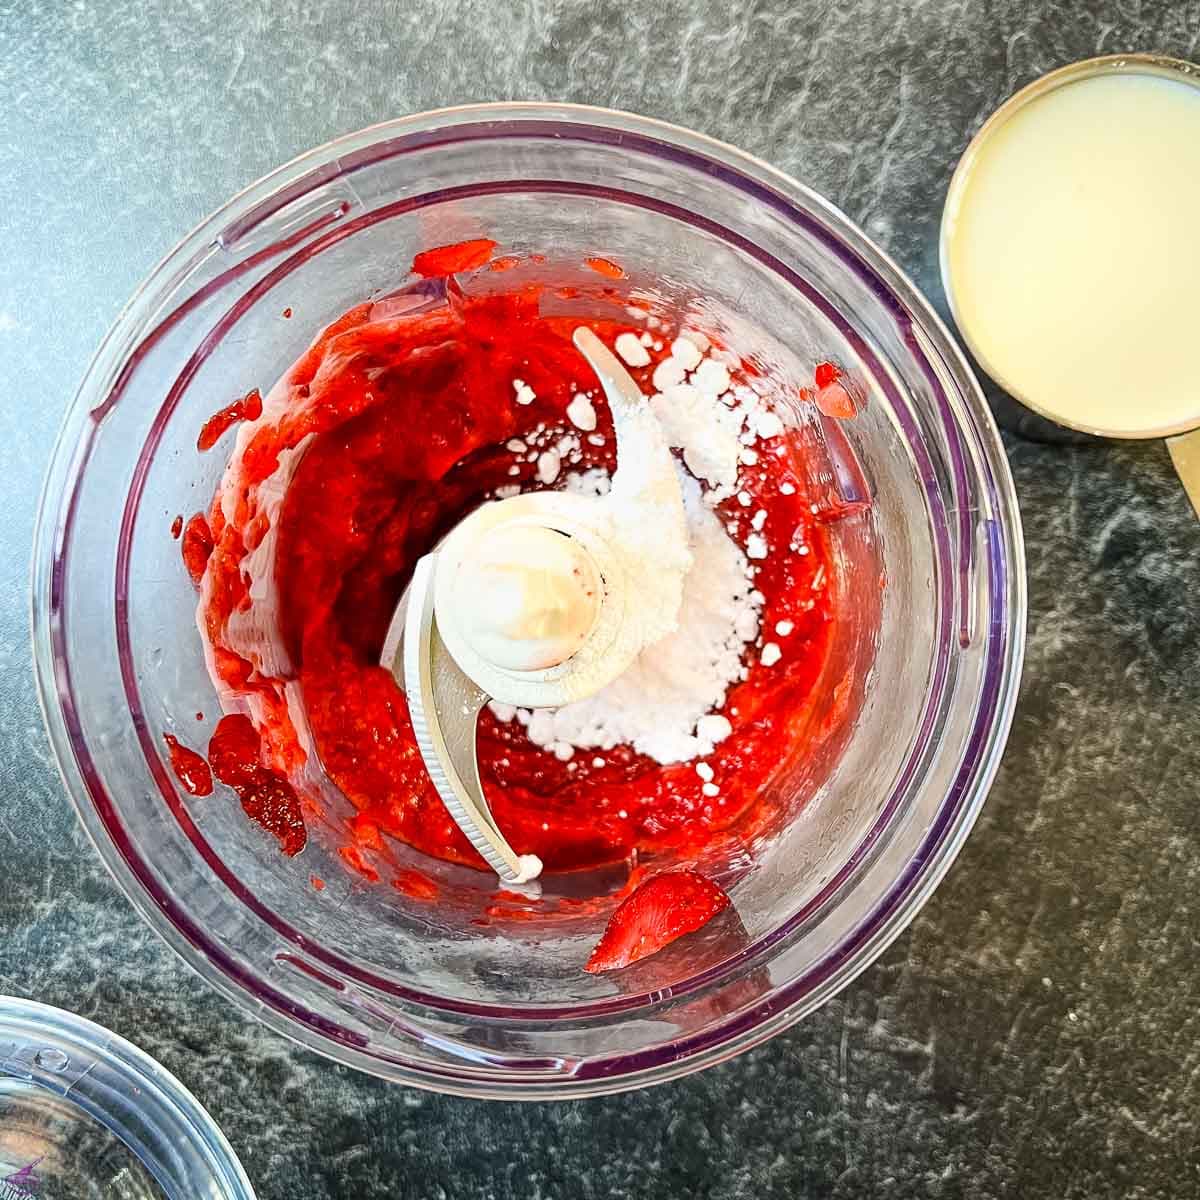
[
  {"x": 663, "y": 704},
  {"x": 711, "y": 421},
  {"x": 630, "y": 348},
  {"x": 638, "y": 535},
  {"x": 548, "y": 451},
  {"x": 580, "y": 412}
]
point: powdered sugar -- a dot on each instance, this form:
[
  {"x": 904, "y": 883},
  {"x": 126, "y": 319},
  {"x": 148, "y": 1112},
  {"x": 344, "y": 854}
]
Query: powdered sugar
[
  {"x": 663, "y": 705},
  {"x": 686, "y": 352},
  {"x": 706, "y": 433},
  {"x": 630, "y": 348},
  {"x": 580, "y": 412},
  {"x": 713, "y": 728},
  {"x": 594, "y": 482},
  {"x": 766, "y": 424},
  {"x": 666, "y": 703},
  {"x": 668, "y": 373},
  {"x": 705, "y": 415},
  {"x": 711, "y": 378}
]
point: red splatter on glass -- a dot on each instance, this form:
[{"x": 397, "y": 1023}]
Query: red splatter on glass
[
  {"x": 352, "y": 856},
  {"x": 416, "y": 885},
  {"x": 605, "y": 267},
  {"x": 190, "y": 768}
]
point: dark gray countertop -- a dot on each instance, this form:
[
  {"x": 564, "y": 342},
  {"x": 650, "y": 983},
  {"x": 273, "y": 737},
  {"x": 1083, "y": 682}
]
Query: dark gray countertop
[{"x": 1037, "y": 1032}]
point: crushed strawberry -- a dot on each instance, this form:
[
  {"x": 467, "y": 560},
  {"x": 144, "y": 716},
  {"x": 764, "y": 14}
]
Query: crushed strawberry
[
  {"x": 825, "y": 374},
  {"x": 662, "y": 909},
  {"x": 196, "y": 547},
  {"x": 245, "y": 408},
  {"x": 234, "y": 753}
]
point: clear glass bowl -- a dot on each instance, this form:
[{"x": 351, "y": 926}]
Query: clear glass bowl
[
  {"x": 85, "y": 1114},
  {"x": 427, "y": 994}
]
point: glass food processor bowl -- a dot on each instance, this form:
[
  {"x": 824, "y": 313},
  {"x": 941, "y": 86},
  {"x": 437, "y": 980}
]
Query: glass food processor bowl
[{"x": 452, "y": 995}]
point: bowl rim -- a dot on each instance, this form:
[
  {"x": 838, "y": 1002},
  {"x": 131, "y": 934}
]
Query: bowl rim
[
  {"x": 784, "y": 1007},
  {"x": 85, "y": 1064},
  {"x": 1155, "y": 65}
]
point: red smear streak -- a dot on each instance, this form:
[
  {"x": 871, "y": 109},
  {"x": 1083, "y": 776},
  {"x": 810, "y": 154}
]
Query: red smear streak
[
  {"x": 509, "y": 912},
  {"x": 177, "y": 527},
  {"x": 447, "y": 260},
  {"x": 505, "y": 263},
  {"x": 190, "y": 768},
  {"x": 196, "y": 547},
  {"x": 353, "y": 858},
  {"x": 416, "y": 885},
  {"x": 605, "y": 267},
  {"x": 234, "y": 754},
  {"x": 366, "y": 833},
  {"x": 248, "y": 408}
]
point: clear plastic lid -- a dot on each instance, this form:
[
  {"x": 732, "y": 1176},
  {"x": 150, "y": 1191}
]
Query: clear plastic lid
[{"x": 85, "y": 1114}]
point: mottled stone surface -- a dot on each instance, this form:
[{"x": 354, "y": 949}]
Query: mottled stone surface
[{"x": 1036, "y": 1033}]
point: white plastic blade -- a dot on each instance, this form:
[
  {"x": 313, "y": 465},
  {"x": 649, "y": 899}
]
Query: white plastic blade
[{"x": 444, "y": 706}]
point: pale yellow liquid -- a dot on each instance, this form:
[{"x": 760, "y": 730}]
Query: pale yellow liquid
[{"x": 1073, "y": 254}]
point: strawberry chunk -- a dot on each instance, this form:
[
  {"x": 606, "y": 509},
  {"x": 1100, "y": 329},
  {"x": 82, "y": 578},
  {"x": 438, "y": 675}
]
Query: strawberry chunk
[
  {"x": 446, "y": 260},
  {"x": 662, "y": 909},
  {"x": 834, "y": 401}
]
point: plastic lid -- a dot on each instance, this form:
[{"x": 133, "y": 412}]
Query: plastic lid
[{"x": 85, "y": 1114}]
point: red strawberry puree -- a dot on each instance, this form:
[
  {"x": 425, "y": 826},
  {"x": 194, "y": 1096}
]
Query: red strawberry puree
[{"x": 394, "y": 425}]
